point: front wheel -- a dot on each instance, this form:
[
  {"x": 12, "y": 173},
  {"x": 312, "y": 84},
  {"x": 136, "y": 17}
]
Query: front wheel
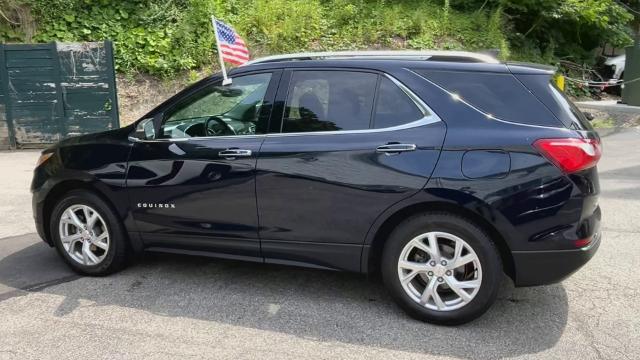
[
  {"x": 441, "y": 268},
  {"x": 87, "y": 234}
]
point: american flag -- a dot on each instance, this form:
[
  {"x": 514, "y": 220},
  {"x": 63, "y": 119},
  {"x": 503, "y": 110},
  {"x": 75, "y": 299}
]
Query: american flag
[{"x": 231, "y": 45}]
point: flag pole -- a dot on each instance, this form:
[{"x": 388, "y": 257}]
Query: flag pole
[{"x": 225, "y": 79}]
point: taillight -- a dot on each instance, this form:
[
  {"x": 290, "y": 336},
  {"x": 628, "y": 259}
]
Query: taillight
[
  {"x": 582, "y": 242},
  {"x": 569, "y": 154}
]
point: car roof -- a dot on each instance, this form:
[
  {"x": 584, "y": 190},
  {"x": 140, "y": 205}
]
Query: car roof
[
  {"x": 384, "y": 60},
  {"x": 421, "y": 55}
]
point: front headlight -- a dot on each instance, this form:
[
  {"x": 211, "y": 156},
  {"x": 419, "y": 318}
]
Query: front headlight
[{"x": 43, "y": 157}]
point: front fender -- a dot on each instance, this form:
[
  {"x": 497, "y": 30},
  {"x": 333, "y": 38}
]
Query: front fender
[{"x": 98, "y": 167}]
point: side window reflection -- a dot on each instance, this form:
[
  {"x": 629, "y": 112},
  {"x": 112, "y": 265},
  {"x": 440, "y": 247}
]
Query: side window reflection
[{"x": 329, "y": 101}]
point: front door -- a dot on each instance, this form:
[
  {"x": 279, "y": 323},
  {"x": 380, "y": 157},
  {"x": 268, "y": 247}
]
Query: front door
[
  {"x": 350, "y": 145},
  {"x": 194, "y": 186}
]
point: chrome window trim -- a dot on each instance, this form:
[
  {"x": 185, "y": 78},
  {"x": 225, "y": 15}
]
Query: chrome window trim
[
  {"x": 199, "y": 138},
  {"x": 430, "y": 117},
  {"x": 421, "y": 122}
]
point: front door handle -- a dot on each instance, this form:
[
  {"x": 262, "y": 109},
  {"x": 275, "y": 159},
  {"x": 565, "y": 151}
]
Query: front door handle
[
  {"x": 395, "y": 148},
  {"x": 234, "y": 153}
]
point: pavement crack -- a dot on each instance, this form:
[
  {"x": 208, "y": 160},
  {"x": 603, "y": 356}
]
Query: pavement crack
[
  {"x": 43, "y": 285},
  {"x": 36, "y": 287}
]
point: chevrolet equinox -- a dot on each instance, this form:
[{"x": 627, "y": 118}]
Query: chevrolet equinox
[{"x": 439, "y": 171}]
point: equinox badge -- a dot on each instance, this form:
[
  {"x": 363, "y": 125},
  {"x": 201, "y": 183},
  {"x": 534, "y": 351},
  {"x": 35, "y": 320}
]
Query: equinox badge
[{"x": 156, "y": 205}]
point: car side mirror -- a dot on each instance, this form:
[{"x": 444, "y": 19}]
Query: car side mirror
[
  {"x": 589, "y": 116},
  {"x": 145, "y": 130},
  {"x": 148, "y": 129}
]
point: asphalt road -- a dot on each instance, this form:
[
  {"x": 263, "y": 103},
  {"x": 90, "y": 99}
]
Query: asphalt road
[{"x": 186, "y": 307}]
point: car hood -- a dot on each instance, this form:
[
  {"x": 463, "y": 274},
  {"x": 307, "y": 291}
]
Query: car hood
[{"x": 110, "y": 136}]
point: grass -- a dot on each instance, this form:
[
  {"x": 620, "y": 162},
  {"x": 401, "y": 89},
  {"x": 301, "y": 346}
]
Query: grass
[{"x": 603, "y": 123}]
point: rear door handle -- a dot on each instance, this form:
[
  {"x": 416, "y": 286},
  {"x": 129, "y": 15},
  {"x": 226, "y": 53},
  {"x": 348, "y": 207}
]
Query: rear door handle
[
  {"x": 395, "y": 148},
  {"x": 234, "y": 153}
]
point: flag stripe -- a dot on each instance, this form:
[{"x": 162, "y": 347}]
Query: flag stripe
[
  {"x": 226, "y": 53},
  {"x": 224, "y": 56},
  {"x": 231, "y": 58},
  {"x": 234, "y": 58},
  {"x": 234, "y": 53},
  {"x": 235, "y": 62},
  {"x": 234, "y": 49},
  {"x": 239, "y": 47}
]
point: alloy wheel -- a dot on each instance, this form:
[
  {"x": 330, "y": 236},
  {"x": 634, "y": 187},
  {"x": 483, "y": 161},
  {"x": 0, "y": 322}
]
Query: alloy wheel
[
  {"x": 439, "y": 271},
  {"x": 84, "y": 234}
]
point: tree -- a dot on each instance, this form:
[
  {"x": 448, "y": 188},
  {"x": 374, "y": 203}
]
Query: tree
[
  {"x": 564, "y": 28},
  {"x": 633, "y": 6}
]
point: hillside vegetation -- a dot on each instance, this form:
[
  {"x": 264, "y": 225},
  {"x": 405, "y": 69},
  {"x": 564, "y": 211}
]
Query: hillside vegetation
[{"x": 166, "y": 37}]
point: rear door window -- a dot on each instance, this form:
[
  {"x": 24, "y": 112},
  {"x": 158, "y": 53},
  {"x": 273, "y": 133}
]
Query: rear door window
[{"x": 329, "y": 101}]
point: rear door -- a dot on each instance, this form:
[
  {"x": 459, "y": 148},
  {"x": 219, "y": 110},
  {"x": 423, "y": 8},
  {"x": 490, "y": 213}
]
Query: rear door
[
  {"x": 194, "y": 188},
  {"x": 348, "y": 144}
]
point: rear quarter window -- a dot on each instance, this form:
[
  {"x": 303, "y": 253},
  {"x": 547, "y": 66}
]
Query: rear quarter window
[
  {"x": 499, "y": 95},
  {"x": 561, "y": 106}
]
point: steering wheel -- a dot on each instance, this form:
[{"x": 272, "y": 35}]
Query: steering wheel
[{"x": 220, "y": 127}]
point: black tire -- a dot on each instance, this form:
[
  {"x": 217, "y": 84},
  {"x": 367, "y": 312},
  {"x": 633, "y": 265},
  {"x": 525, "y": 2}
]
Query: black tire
[
  {"x": 473, "y": 235},
  {"x": 116, "y": 254}
]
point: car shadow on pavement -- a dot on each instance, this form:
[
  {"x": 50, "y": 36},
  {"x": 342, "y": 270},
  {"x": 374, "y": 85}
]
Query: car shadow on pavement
[{"x": 321, "y": 305}]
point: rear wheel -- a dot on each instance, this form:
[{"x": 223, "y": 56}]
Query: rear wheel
[
  {"x": 441, "y": 268},
  {"x": 87, "y": 234}
]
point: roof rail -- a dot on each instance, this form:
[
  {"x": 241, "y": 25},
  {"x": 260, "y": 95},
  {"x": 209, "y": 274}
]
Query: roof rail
[{"x": 461, "y": 56}]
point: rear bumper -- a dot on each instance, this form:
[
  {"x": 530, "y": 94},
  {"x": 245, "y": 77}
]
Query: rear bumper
[{"x": 552, "y": 266}]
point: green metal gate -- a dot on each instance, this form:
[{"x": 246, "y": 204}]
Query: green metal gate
[{"x": 52, "y": 91}]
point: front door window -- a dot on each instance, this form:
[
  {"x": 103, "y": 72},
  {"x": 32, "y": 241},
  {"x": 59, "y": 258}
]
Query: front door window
[{"x": 220, "y": 110}]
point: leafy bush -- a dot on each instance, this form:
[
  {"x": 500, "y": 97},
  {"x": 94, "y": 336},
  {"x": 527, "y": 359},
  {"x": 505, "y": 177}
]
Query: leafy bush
[
  {"x": 150, "y": 36},
  {"x": 164, "y": 37},
  {"x": 540, "y": 30}
]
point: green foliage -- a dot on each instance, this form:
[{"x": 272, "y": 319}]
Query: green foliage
[
  {"x": 603, "y": 123},
  {"x": 579, "y": 91},
  {"x": 408, "y": 24},
  {"x": 158, "y": 37},
  {"x": 282, "y": 25},
  {"x": 164, "y": 37},
  {"x": 543, "y": 30}
]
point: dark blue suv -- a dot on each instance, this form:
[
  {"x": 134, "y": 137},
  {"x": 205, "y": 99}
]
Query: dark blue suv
[{"x": 440, "y": 171}]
